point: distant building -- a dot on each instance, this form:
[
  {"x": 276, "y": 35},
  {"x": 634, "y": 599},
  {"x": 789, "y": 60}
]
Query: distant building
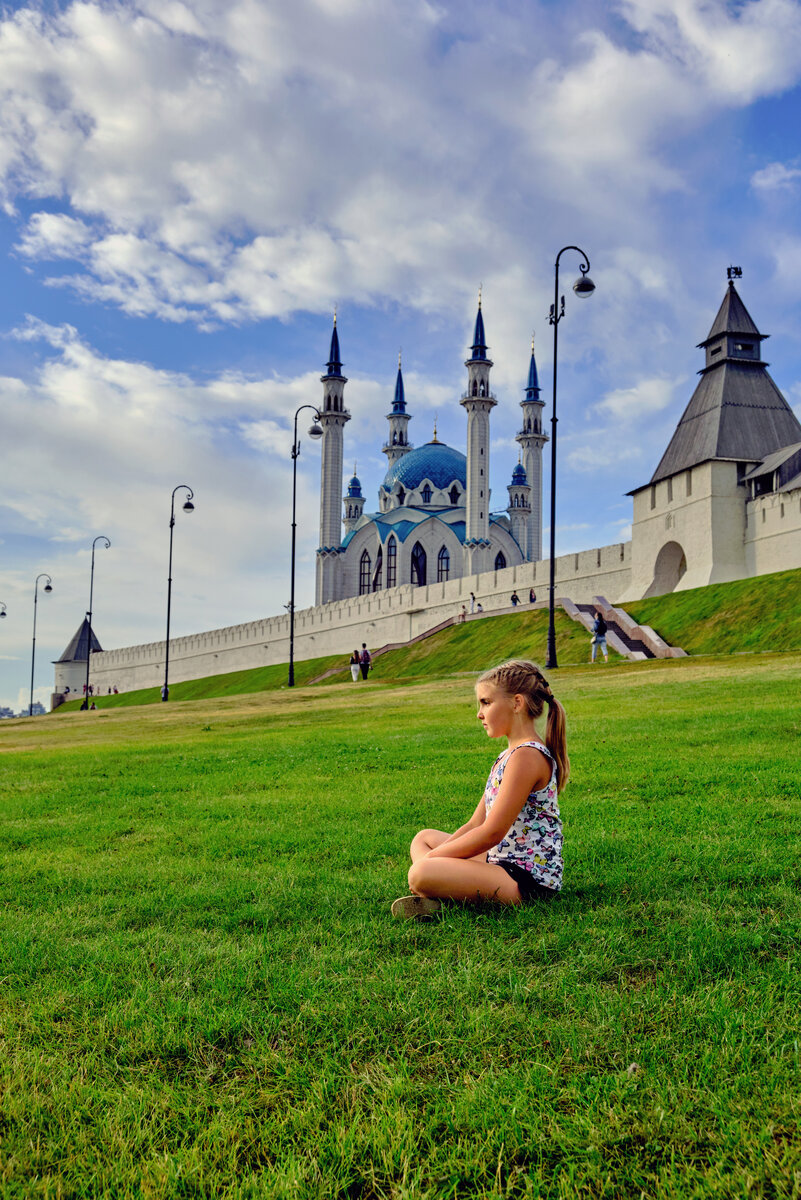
[{"x": 71, "y": 667}]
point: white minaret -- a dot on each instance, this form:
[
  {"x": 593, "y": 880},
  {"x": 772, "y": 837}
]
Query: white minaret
[
  {"x": 531, "y": 439},
  {"x": 478, "y": 401},
  {"x": 333, "y": 416},
  {"x": 397, "y": 443},
  {"x": 519, "y": 509},
  {"x": 353, "y": 503}
]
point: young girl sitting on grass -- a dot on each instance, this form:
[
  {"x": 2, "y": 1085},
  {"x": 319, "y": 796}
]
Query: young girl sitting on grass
[{"x": 510, "y": 851}]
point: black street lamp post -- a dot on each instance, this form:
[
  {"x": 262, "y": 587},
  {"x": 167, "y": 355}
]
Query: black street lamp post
[
  {"x": 48, "y": 587},
  {"x": 314, "y": 432},
  {"x": 101, "y": 538},
  {"x": 583, "y": 287},
  {"x": 188, "y": 507}
]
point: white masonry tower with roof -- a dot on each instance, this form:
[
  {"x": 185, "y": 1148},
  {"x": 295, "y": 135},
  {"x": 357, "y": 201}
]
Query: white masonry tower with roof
[
  {"x": 531, "y": 440},
  {"x": 333, "y": 417},
  {"x": 478, "y": 403}
]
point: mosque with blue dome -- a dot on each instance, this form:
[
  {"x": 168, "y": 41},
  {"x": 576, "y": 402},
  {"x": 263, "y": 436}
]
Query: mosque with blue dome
[{"x": 434, "y": 520}]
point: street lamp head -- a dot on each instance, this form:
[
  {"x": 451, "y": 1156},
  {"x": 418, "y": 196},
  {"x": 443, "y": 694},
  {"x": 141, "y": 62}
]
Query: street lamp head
[
  {"x": 189, "y": 506},
  {"x": 315, "y": 431},
  {"x": 3, "y": 613},
  {"x": 48, "y": 587},
  {"x": 584, "y": 287}
]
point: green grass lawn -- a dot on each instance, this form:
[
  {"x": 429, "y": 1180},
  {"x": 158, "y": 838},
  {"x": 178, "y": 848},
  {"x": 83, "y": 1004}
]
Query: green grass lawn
[{"x": 204, "y": 994}]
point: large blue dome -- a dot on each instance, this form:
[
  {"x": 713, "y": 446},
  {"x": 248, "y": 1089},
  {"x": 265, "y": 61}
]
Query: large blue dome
[{"x": 435, "y": 461}]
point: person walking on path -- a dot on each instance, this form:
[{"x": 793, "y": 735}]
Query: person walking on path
[
  {"x": 472, "y": 602},
  {"x": 532, "y": 596},
  {"x": 510, "y": 850},
  {"x": 515, "y": 599},
  {"x": 599, "y": 638},
  {"x": 354, "y": 666},
  {"x": 463, "y": 615},
  {"x": 364, "y": 660}
]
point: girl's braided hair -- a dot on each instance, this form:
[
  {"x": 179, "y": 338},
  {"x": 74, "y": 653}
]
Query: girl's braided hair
[{"x": 519, "y": 677}]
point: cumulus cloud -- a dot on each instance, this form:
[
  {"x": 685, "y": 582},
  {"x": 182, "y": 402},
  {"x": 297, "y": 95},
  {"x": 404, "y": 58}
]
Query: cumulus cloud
[
  {"x": 775, "y": 177},
  {"x": 630, "y": 404}
]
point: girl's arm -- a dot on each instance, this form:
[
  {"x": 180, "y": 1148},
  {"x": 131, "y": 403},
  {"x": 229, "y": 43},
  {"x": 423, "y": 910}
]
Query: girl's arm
[{"x": 528, "y": 769}]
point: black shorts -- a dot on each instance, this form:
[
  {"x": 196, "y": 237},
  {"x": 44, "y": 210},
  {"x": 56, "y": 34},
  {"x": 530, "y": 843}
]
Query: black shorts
[{"x": 530, "y": 890}]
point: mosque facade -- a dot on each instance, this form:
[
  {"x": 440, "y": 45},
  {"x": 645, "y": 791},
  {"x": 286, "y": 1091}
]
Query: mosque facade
[{"x": 434, "y": 521}]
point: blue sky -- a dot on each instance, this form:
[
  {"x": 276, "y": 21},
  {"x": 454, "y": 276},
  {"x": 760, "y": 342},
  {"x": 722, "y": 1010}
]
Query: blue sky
[{"x": 188, "y": 188}]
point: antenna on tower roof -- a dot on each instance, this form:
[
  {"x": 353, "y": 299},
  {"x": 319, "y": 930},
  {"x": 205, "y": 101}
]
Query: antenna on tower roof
[
  {"x": 734, "y": 273},
  {"x": 434, "y": 438}
]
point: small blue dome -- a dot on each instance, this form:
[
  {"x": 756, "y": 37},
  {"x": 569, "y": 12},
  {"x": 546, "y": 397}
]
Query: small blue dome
[
  {"x": 435, "y": 461},
  {"x": 355, "y": 489},
  {"x": 519, "y": 474}
]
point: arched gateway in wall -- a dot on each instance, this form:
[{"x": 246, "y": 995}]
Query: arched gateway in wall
[{"x": 670, "y": 565}]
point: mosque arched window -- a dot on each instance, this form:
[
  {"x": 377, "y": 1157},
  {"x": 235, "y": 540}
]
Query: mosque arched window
[
  {"x": 482, "y": 390},
  {"x": 453, "y": 495},
  {"x": 392, "y": 561},
  {"x": 379, "y": 566},
  {"x": 418, "y": 565},
  {"x": 364, "y": 574},
  {"x": 443, "y": 564},
  {"x": 395, "y": 438},
  {"x": 401, "y": 496},
  {"x": 475, "y": 387},
  {"x": 500, "y": 560},
  {"x": 516, "y": 502},
  {"x": 426, "y": 495}
]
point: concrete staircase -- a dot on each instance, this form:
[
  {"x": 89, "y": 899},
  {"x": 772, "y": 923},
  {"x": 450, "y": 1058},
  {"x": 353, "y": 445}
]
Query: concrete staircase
[{"x": 623, "y": 634}]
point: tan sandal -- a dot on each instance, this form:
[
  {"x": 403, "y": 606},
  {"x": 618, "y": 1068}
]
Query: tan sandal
[{"x": 415, "y": 907}]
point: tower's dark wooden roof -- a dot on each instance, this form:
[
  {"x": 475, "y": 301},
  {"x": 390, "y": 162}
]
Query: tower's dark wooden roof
[
  {"x": 736, "y": 412},
  {"x": 77, "y": 650}
]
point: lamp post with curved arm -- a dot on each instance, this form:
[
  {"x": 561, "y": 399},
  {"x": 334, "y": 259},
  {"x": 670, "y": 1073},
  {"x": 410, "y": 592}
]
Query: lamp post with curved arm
[
  {"x": 314, "y": 432},
  {"x": 48, "y": 587},
  {"x": 583, "y": 287},
  {"x": 188, "y": 507},
  {"x": 101, "y": 538}
]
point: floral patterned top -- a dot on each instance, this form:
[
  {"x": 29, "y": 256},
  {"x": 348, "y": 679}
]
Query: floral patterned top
[{"x": 534, "y": 841}]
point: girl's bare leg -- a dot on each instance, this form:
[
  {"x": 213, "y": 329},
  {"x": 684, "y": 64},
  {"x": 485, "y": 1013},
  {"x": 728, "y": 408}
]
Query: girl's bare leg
[
  {"x": 426, "y": 840},
  {"x": 462, "y": 879}
]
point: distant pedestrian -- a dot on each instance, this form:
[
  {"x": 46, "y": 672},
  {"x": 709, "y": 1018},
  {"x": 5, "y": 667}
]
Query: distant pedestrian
[
  {"x": 165, "y": 692},
  {"x": 354, "y": 666},
  {"x": 532, "y": 596},
  {"x": 92, "y": 706},
  {"x": 115, "y": 690},
  {"x": 479, "y": 607},
  {"x": 515, "y": 599},
  {"x": 472, "y": 602},
  {"x": 599, "y": 638},
  {"x": 364, "y": 660},
  {"x": 463, "y": 614}
]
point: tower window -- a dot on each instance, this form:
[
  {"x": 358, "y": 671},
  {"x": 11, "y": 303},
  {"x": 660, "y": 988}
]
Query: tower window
[
  {"x": 653, "y": 495},
  {"x": 426, "y": 495},
  {"x": 392, "y": 561},
  {"x": 443, "y": 565},
  {"x": 453, "y": 494},
  {"x": 379, "y": 564},
  {"x": 401, "y": 496},
  {"x": 670, "y": 489},
  {"x": 364, "y": 574},
  {"x": 745, "y": 347},
  {"x": 689, "y": 481},
  {"x": 418, "y": 565},
  {"x": 500, "y": 560}
]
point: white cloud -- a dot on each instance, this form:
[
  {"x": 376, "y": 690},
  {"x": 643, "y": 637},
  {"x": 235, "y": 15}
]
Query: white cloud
[
  {"x": 775, "y": 177},
  {"x": 629, "y": 405}
]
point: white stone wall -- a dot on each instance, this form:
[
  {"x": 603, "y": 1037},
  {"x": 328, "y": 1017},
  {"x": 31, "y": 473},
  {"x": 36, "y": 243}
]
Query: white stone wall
[
  {"x": 395, "y": 615},
  {"x": 773, "y": 533}
]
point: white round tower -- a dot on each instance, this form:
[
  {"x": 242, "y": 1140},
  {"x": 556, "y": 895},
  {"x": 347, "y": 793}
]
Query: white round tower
[
  {"x": 478, "y": 402},
  {"x": 531, "y": 440},
  {"x": 333, "y": 417}
]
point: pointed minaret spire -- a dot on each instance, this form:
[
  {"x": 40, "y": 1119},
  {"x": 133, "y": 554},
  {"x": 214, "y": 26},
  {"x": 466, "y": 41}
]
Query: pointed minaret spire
[
  {"x": 397, "y": 443},
  {"x": 479, "y": 346},
  {"x": 334, "y": 363},
  {"x": 533, "y": 386}
]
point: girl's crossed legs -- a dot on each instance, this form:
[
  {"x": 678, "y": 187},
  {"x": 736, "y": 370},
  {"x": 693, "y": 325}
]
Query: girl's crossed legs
[{"x": 457, "y": 878}]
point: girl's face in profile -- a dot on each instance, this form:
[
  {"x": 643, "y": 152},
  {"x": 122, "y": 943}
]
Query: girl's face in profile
[{"x": 495, "y": 710}]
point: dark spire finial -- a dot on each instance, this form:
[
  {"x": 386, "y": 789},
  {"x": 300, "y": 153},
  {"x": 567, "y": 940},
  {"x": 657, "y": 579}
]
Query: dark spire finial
[
  {"x": 533, "y": 384},
  {"x": 479, "y": 346},
  {"x": 399, "y": 401},
  {"x": 334, "y": 363}
]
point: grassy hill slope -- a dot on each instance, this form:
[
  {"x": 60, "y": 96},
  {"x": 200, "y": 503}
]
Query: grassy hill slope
[{"x": 723, "y": 618}]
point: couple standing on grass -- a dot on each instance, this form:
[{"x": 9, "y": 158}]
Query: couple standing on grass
[
  {"x": 510, "y": 850},
  {"x": 360, "y": 662}
]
